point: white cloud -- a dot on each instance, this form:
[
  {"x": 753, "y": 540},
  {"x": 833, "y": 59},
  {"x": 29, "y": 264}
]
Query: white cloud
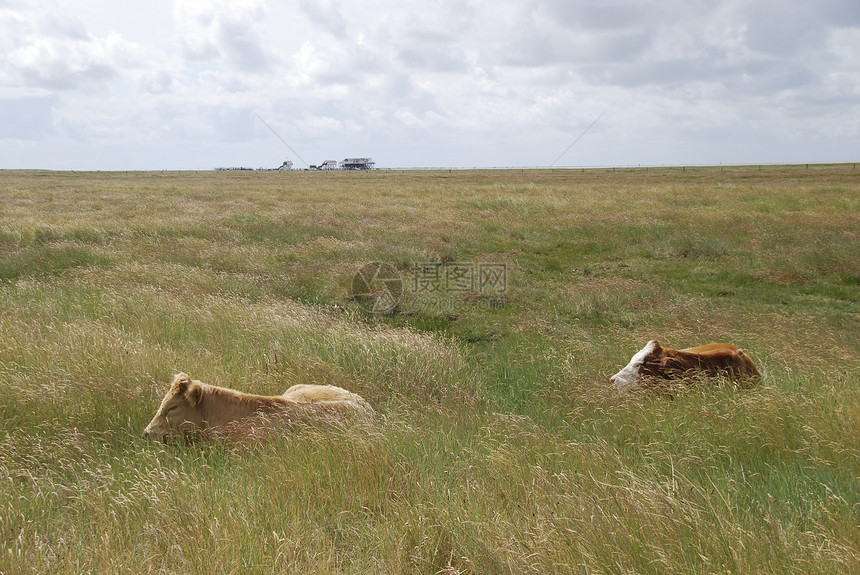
[{"x": 49, "y": 52}]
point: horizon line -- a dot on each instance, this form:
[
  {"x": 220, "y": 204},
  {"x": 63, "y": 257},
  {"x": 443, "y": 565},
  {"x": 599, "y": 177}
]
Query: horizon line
[{"x": 453, "y": 168}]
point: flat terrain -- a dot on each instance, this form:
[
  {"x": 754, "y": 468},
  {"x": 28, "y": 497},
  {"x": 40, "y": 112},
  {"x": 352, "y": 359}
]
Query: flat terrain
[{"x": 512, "y": 297}]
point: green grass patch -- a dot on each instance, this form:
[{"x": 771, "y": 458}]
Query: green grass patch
[{"x": 47, "y": 261}]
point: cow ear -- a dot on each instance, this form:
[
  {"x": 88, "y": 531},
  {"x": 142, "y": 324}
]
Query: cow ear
[
  {"x": 181, "y": 381},
  {"x": 194, "y": 394}
]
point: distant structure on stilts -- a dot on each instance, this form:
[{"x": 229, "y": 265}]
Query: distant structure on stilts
[{"x": 357, "y": 164}]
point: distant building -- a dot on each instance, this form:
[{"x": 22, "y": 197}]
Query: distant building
[
  {"x": 357, "y": 164},
  {"x": 328, "y": 165},
  {"x": 287, "y": 165}
]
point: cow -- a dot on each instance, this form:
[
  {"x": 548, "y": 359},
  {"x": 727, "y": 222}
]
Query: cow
[
  {"x": 657, "y": 362},
  {"x": 192, "y": 407}
]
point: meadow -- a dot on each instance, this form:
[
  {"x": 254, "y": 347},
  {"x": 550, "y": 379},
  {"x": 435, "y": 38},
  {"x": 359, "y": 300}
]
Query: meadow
[{"x": 501, "y": 446}]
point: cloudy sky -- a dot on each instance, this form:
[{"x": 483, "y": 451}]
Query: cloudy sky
[{"x": 190, "y": 84}]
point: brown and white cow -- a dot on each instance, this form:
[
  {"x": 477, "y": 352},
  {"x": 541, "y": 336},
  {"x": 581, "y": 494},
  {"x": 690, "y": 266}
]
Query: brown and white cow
[
  {"x": 191, "y": 407},
  {"x": 713, "y": 359}
]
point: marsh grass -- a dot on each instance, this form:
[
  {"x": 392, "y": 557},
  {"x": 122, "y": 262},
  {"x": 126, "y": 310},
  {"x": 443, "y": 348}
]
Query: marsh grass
[{"x": 500, "y": 447}]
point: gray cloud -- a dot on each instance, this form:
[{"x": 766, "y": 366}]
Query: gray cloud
[
  {"x": 434, "y": 58},
  {"x": 242, "y": 47},
  {"x": 156, "y": 82},
  {"x": 607, "y": 15},
  {"x": 444, "y": 82},
  {"x": 325, "y": 15},
  {"x": 227, "y": 32},
  {"x": 26, "y": 118},
  {"x": 783, "y": 29}
]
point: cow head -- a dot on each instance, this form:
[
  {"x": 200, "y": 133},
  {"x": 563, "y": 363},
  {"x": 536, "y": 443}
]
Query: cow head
[
  {"x": 644, "y": 364},
  {"x": 179, "y": 413}
]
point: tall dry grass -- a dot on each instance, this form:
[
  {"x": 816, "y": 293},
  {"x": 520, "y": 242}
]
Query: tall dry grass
[{"x": 500, "y": 447}]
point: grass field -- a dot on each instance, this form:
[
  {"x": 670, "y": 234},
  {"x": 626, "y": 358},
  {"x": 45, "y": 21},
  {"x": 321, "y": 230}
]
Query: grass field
[{"x": 502, "y": 448}]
